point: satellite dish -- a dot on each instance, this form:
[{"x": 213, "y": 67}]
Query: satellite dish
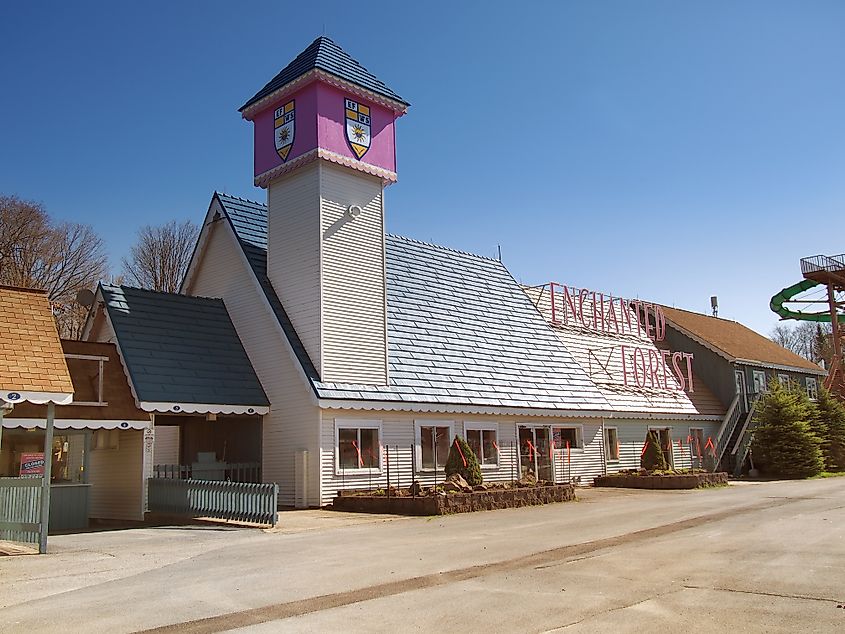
[{"x": 85, "y": 297}]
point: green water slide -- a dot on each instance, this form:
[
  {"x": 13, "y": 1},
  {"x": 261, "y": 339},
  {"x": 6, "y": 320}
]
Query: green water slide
[{"x": 786, "y": 295}]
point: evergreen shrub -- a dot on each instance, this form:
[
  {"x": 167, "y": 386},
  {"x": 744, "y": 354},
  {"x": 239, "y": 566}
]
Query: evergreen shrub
[
  {"x": 829, "y": 424},
  {"x": 652, "y": 458},
  {"x": 784, "y": 443},
  {"x": 471, "y": 472}
]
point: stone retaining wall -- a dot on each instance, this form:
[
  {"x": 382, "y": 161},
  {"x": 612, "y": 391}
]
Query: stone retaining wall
[
  {"x": 682, "y": 481},
  {"x": 456, "y": 502}
]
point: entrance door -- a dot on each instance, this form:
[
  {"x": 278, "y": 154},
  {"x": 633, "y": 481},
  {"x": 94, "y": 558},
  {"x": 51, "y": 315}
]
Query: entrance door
[
  {"x": 739, "y": 376},
  {"x": 535, "y": 453}
]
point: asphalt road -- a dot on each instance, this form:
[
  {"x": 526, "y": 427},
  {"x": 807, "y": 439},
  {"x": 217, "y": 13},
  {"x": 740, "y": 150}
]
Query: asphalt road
[{"x": 766, "y": 557}]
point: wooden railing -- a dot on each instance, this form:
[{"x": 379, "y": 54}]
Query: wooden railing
[
  {"x": 234, "y": 501},
  {"x": 20, "y": 510},
  {"x": 231, "y": 471}
]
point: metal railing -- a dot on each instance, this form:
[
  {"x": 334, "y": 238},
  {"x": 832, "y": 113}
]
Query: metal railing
[
  {"x": 830, "y": 263},
  {"x": 727, "y": 427},
  {"x": 743, "y": 441},
  {"x": 234, "y": 501},
  {"x": 20, "y": 510},
  {"x": 231, "y": 471}
]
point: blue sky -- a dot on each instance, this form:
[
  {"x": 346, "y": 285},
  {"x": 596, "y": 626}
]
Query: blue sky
[{"x": 666, "y": 150}]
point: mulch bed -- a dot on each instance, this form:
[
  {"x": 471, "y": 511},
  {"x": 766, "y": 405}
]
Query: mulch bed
[
  {"x": 662, "y": 481},
  {"x": 442, "y": 503}
]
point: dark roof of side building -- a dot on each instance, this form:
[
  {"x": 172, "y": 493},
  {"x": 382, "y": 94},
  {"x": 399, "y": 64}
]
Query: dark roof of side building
[
  {"x": 324, "y": 54},
  {"x": 460, "y": 330},
  {"x": 734, "y": 341},
  {"x": 181, "y": 349}
]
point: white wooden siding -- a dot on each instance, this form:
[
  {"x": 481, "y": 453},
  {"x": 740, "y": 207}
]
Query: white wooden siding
[
  {"x": 117, "y": 479},
  {"x": 166, "y": 447},
  {"x": 585, "y": 462},
  {"x": 632, "y": 433},
  {"x": 354, "y": 343},
  {"x": 293, "y": 422},
  {"x": 398, "y": 432},
  {"x": 293, "y": 251}
]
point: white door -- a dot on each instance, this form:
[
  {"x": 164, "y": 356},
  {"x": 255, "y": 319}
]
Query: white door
[{"x": 739, "y": 376}]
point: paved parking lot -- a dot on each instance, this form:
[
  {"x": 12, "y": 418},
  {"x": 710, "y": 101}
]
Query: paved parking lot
[{"x": 751, "y": 557}]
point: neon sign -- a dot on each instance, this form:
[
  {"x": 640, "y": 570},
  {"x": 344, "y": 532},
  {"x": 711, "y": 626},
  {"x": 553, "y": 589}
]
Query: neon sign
[{"x": 643, "y": 367}]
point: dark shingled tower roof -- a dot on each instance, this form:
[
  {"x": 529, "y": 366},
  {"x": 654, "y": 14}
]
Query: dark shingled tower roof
[{"x": 326, "y": 55}]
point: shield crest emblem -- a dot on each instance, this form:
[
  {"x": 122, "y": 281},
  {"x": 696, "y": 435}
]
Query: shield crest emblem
[
  {"x": 357, "y": 126},
  {"x": 284, "y": 128}
]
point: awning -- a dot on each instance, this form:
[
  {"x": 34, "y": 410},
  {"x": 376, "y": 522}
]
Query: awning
[
  {"x": 203, "y": 408},
  {"x": 75, "y": 423},
  {"x": 39, "y": 398}
]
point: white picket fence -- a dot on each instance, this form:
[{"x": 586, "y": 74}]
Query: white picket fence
[{"x": 20, "y": 510}]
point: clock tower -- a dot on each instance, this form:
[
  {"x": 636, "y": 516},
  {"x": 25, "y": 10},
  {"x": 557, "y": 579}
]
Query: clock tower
[{"x": 324, "y": 148}]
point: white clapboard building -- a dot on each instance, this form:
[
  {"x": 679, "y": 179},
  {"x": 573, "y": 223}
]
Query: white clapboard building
[{"x": 375, "y": 350}]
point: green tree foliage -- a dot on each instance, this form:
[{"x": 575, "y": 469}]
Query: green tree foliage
[
  {"x": 829, "y": 423},
  {"x": 653, "y": 458},
  {"x": 471, "y": 471},
  {"x": 784, "y": 442}
]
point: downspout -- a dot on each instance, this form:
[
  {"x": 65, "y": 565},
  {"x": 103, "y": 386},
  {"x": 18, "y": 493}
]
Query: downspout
[{"x": 603, "y": 452}]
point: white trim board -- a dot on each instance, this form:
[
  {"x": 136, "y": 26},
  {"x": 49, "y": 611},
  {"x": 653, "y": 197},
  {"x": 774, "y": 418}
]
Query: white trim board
[{"x": 75, "y": 423}]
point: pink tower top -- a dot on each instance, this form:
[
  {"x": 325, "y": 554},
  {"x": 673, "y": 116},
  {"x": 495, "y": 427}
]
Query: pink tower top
[{"x": 324, "y": 104}]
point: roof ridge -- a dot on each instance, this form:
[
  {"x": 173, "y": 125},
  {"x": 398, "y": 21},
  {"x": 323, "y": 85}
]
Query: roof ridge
[
  {"x": 695, "y": 312},
  {"x": 246, "y": 200},
  {"x": 23, "y": 289},
  {"x": 153, "y": 291},
  {"x": 441, "y": 247}
]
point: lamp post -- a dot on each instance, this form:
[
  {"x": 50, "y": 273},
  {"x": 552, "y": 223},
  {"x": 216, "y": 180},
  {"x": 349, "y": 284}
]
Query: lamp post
[{"x": 45, "y": 483}]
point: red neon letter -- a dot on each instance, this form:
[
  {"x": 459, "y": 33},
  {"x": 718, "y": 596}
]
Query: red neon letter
[
  {"x": 688, "y": 357},
  {"x": 676, "y": 356},
  {"x": 663, "y": 355},
  {"x": 660, "y": 323},
  {"x": 638, "y": 365}
]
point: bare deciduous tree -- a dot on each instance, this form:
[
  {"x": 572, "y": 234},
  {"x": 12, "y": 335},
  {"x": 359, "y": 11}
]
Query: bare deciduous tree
[
  {"x": 804, "y": 338},
  {"x": 160, "y": 256},
  {"x": 61, "y": 258}
]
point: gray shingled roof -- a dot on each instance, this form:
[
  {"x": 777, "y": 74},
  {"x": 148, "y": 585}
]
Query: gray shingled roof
[
  {"x": 460, "y": 330},
  {"x": 325, "y": 54},
  {"x": 181, "y": 349}
]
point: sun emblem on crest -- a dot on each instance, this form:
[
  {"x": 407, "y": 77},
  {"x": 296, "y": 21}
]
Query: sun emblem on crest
[
  {"x": 359, "y": 133},
  {"x": 284, "y": 134},
  {"x": 358, "y": 127}
]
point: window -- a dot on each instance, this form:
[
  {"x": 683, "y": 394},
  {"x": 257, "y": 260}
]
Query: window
[
  {"x": 483, "y": 440},
  {"x": 783, "y": 379},
  {"x": 696, "y": 442},
  {"x": 611, "y": 444},
  {"x": 759, "y": 381},
  {"x": 812, "y": 388},
  {"x": 563, "y": 435},
  {"x": 87, "y": 373},
  {"x": 433, "y": 444},
  {"x": 358, "y": 445}
]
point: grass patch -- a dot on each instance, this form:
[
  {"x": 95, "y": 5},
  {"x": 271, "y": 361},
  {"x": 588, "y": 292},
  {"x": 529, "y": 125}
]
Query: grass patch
[{"x": 829, "y": 474}]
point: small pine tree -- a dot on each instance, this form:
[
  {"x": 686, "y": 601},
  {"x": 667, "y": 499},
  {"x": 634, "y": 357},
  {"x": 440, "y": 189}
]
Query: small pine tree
[
  {"x": 653, "y": 458},
  {"x": 471, "y": 472},
  {"x": 784, "y": 442},
  {"x": 829, "y": 423}
]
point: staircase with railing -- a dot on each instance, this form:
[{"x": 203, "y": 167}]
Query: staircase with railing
[
  {"x": 734, "y": 439},
  {"x": 727, "y": 427}
]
